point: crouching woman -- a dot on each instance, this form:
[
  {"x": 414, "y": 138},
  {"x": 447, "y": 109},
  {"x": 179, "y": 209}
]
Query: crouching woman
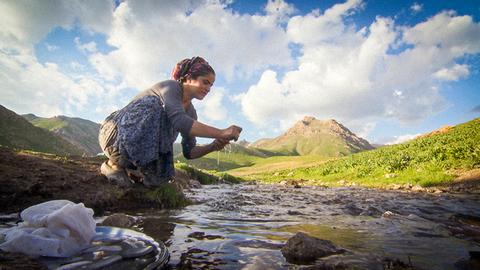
[{"x": 141, "y": 135}]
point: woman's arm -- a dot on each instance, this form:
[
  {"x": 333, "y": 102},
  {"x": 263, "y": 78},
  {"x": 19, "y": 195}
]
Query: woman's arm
[
  {"x": 201, "y": 150},
  {"x": 201, "y": 130}
]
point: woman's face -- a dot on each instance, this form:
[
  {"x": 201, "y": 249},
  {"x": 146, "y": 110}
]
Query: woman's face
[{"x": 200, "y": 86}]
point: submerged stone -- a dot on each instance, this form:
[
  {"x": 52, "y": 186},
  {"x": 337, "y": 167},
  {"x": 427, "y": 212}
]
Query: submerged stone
[{"x": 303, "y": 248}]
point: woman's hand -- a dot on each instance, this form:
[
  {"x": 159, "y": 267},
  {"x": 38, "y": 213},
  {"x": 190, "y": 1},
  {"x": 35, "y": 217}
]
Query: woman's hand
[
  {"x": 219, "y": 144},
  {"x": 231, "y": 133}
]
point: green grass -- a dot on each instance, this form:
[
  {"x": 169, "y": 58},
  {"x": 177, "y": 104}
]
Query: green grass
[
  {"x": 206, "y": 177},
  {"x": 232, "y": 157},
  {"x": 278, "y": 163},
  {"x": 427, "y": 161},
  {"x": 49, "y": 123},
  {"x": 168, "y": 196}
]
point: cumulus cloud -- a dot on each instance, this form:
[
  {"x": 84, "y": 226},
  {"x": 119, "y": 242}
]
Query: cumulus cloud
[
  {"x": 211, "y": 107},
  {"x": 151, "y": 37},
  {"x": 51, "y": 48},
  {"x": 350, "y": 74},
  {"x": 402, "y": 138},
  {"x": 279, "y": 9},
  {"x": 45, "y": 90},
  {"x": 416, "y": 7},
  {"x": 452, "y": 74},
  {"x": 89, "y": 47},
  {"x": 25, "y": 22}
]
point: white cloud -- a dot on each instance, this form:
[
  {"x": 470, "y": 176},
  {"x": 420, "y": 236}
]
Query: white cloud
[
  {"x": 51, "y": 48},
  {"x": 44, "y": 89},
  {"x": 452, "y": 74},
  {"x": 30, "y": 87},
  {"x": 152, "y": 36},
  {"x": 349, "y": 74},
  {"x": 416, "y": 7},
  {"x": 402, "y": 138},
  {"x": 90, "y": 47},
  {"x": 25, "y": 22},
  {"x": 279, "y": 9},
  {"x": 211, "y": 107},
  {"x": 76, "y": 66}
]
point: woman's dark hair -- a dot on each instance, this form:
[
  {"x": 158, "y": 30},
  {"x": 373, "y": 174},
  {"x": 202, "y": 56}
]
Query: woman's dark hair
[{"x": 191, "y": 68}]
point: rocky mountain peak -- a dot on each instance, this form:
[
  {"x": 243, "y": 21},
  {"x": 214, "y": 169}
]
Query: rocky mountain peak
[{"x": 309, "y": 125}]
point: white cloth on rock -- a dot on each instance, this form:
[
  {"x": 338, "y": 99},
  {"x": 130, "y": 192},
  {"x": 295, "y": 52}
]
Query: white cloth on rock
[{"x": 58, "y": 228}]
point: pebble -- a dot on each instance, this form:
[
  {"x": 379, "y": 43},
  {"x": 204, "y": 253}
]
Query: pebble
[{"x": 388, "y": 214}]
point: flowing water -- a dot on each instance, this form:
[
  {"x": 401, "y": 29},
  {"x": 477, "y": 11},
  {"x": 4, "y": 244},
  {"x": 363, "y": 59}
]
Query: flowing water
[{"x": 244, "y": 227}]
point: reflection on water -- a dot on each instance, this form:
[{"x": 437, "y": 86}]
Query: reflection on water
[{"x": 244, "y": 226}]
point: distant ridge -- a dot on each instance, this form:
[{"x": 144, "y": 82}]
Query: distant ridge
[
  {"x": 17, "y": 132},
  {"x": 311, "y": 136},
  {"x": 79, "y": 132}
]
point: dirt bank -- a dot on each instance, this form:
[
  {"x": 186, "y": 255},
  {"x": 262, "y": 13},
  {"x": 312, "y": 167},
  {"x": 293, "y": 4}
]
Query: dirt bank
[{"x": 28, "y": 178}]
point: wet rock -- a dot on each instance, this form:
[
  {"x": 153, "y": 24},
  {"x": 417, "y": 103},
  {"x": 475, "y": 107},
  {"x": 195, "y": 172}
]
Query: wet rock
[
  {"x": 372, "y": 212},
  {"x": 417, "y": 188},
  {"x": 202, "y": 236},
  {"x": 396, "y": 187},
  {"x": 352, "y": 209},
  {"x": 119, "y": 220},
  {"x": 259, "y": 244},
  {"x": 294, "y": 213},
  {"x": 396, "y": 264},
  {"x": 388, "y": 214},
  {"x": 194, "y": 184},
  {"x": 470, "y": 264},
  {"x": 303, "y": 248}
]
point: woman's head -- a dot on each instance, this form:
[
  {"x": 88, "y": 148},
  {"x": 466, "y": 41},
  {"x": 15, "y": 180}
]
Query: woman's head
[
  {"x": 191, "y": 68},
  {"x": 196, "y": 77}
]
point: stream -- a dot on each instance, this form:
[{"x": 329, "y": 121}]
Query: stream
[{"x": 244, "y": 227}]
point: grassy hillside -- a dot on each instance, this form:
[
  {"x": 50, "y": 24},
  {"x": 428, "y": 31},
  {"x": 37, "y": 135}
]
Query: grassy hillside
[
  {"x": 275, "y": 164},
  {"x": 16, "y": 132},
  {"x": 233, "y": 156},
  {"x": 425, "y": 161},
  {"x": 79, "y": 132}
]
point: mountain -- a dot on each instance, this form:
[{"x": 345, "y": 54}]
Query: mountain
[
  {"x": 79, "y": 132},
  {"x": 17, "y": 132},
  {"x": 448, "y": 156},
  {"x": 310, "y": 136}
]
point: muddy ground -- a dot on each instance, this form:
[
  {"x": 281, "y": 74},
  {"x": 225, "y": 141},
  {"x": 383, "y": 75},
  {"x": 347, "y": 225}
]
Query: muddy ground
[{"x": 28, "y": 178}]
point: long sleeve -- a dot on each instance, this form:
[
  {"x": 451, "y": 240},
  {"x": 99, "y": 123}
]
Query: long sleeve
[
  {"x": 189, "y": 142},
  {"x": 171, "y": 94}
]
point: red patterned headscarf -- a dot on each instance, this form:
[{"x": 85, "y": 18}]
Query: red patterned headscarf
[{"x": 191, "y": 69}]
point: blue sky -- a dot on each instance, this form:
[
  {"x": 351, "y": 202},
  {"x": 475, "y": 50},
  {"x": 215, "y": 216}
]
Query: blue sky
[{"x": 388, "y": 70}]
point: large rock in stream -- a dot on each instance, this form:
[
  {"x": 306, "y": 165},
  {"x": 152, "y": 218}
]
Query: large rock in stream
[{"x": 302, "y": 248}]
